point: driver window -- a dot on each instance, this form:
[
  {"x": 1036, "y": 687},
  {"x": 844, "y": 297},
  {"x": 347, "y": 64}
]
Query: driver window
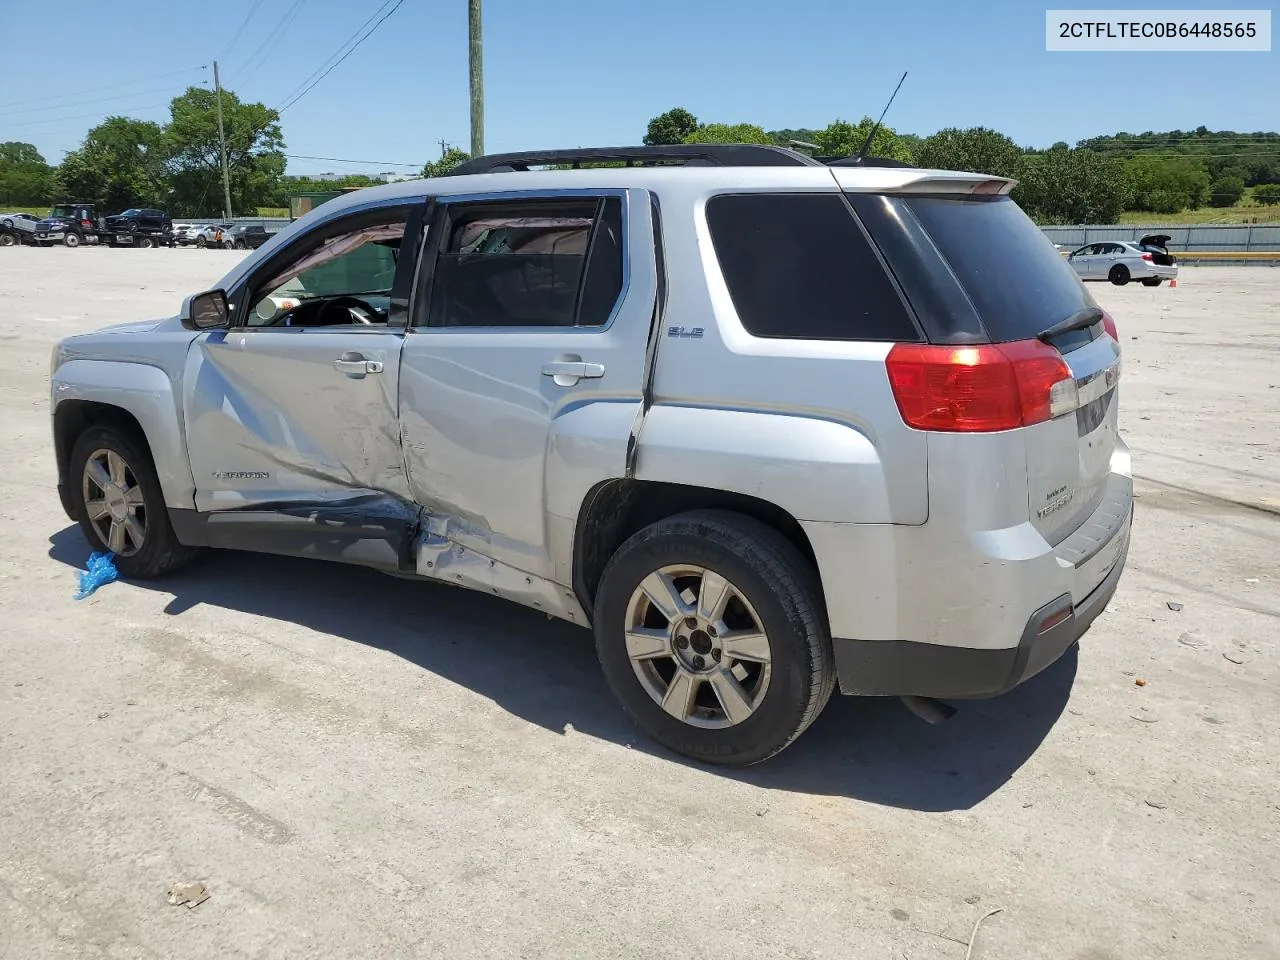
[{"x": 344, "y": 281}]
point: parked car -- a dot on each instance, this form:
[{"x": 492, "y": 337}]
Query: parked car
[
  {"x": 70, "y": 224},
  {"x": 764, "y": 425},
  {"x": 208, "y": 235},
  {"x": 1147, "y": 260},
  {"x": 140, "y": 227},
  {"x": 17, "y": 228},
  {"x": 249, "y": 236}
]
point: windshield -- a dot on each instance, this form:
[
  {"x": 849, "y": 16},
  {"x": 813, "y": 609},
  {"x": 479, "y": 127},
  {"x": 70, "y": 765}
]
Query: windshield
[
  {"x": 62, "y": 211},
  {"x": 131, "y": 213}
]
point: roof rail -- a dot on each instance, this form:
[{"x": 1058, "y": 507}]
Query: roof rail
[
  {"x": 863, "y": 162},
  {"x": 702, "y": 155}
]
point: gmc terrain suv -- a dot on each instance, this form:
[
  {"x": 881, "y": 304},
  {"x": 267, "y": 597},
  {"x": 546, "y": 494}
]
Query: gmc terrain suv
[{"x": 764, "y": 424}]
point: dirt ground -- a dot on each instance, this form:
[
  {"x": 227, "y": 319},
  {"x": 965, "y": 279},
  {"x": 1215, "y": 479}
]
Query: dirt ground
[{"x": 360, "y": 766}]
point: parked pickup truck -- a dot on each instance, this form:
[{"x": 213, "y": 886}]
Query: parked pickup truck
[{"x": 765, "y": 424}]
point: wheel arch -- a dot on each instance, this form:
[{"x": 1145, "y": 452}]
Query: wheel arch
[
  {"x": 131, "y": 397},
  {"x": 615, "y": 509}
]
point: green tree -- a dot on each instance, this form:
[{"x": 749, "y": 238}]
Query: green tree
[
  {"x": 1071, "y": 186},
  {"x": 671, "y": 127},
  {"x": 1226, "y": 192},
  {"x": 121, "y": 162},
  {"x": 976, "y": 150},
  {"x": 450, "y": 159},
  {"x": 728, "y": 133},
  {"x": 1166, "y": 184},
  {"x": 25, "y": 179},
  {"x": 255, "y": 152},
  {"x": 1267, "y": 193},
  {"x": 843, "y": 139}
]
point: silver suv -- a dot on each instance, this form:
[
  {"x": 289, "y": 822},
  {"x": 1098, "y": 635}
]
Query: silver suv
[{"x": 762, "y": 423}]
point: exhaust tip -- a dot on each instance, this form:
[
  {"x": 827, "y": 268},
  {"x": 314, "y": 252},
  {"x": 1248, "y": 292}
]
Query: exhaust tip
[{"x": 928, "y": 709}]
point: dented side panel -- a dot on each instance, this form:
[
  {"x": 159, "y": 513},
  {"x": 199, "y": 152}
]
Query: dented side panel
[
  {"x": 500, "y": 447},
  {"x": 270, "y": 420}
]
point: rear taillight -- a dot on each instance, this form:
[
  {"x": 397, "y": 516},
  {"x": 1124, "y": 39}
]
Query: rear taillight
[
  {"x": 1148, "y": 257},
  {"x": 998, "y": 386},
  {"x": 1109, "y": 325}
]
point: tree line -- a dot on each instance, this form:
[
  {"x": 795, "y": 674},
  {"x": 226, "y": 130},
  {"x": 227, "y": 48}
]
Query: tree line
[
  {"x": 175, "y": 165},
  {"x": 1093, "y": 182}
]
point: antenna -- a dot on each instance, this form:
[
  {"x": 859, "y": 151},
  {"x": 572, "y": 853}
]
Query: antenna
[{"x": 866, "y": 145}]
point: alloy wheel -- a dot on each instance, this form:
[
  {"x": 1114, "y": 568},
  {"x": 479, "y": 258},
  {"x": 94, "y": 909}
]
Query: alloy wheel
[
  {"x": 114, "y": 502},
  {"x": 697, "y": 646}
]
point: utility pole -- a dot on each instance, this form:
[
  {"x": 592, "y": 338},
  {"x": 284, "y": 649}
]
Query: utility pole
[
  {"x": 222, "y": 147},
  {"x": 474, "y": 49}
]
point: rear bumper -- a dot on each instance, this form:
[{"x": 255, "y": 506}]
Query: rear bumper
[{"x": 901, "y": 668}]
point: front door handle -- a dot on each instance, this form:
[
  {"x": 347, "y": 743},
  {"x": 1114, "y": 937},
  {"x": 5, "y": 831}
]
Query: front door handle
[
  {"x": 568, "y": 372},
  {"x": 356, "y": 365}
]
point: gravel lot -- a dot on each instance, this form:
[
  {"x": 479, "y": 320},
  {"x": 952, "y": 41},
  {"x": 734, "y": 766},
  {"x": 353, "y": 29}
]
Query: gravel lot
[{"x": 361, "y": 766}]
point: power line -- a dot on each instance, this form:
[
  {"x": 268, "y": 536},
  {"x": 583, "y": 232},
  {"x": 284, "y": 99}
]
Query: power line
[
  {"x": 86, "y": 116},
  {"x": 109, "y": 86},
  {"x": 370, "y": 163},
  {"x": 353, "y": 49},
  {"x": 254, "y": 63},
  {"x": 335, "y": 53},
  {"x": 253, "y": 8},
  {"x": 83, "y": 103}
]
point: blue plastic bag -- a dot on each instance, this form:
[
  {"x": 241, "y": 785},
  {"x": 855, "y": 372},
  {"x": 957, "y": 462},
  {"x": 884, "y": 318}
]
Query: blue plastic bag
[{"x": 101, "y": 570}]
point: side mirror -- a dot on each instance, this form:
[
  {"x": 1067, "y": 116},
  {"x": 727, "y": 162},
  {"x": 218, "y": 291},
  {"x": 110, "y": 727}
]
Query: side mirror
[{"x": 206, "y": 311}]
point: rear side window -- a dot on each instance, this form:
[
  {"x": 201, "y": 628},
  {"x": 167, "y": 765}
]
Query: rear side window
[
  {"x": 798, "y": 266},
  {"x": 530, "y": 264},
  {"x": 1018, "y": 283}
]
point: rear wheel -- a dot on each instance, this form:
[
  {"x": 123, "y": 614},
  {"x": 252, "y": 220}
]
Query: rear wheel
[
  {"x": 8, "y": 240},
  {"x": 118, "y": 502},
  {"x": 1153, "y": 282},
  {"x": 201, "y": 242},
  {"x": 711, "y": 634},
  {"x": 240, "y": 245},
  {"x": 144, "y": 243},
  {"x": 71, "y": 239},
  {"x": 1119, "y": 275}
]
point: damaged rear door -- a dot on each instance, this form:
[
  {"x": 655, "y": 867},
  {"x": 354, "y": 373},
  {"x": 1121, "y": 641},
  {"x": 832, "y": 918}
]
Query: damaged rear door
[{"x": 292, "y": 413}]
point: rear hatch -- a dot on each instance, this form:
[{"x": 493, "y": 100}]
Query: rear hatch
[
  {"x": 1157, "y": 244},
  {"x": 1016, "y": 344}
]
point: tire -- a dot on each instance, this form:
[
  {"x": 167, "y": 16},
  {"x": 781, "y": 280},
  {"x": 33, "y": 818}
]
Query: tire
[
  {"x": 1152, "y": 282},
  {"x": 140, "y": 496},
  {"x": 8, "y": 240},
  {"x": 773, "y": 592},
  {"x": 241, "y": 245},
  {"x": 144, "y": 243},
  {"x": 1119, "y": 275},
  {"x": 228, "y": 244},
  {"x": 72, "y": 240},
  {"x": 201, "y": 243}
]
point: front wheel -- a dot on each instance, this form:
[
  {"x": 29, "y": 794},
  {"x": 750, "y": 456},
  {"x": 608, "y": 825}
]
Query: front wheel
[
  {"x": 241, "y": 245},
  {"x": 201, "y": 242},
  {"x": 144, "y": 243},
  {"x": 71, "y": 240},
  {"x": 117, "y": 500},
  {"x": 1119, "y": 275},
  {"x": 7, "y": 240},
  {"x": 710, "y": 631}
]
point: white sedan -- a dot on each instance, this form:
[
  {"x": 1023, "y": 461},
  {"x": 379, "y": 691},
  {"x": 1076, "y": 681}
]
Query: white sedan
[{"x": 1120, "y": 261}]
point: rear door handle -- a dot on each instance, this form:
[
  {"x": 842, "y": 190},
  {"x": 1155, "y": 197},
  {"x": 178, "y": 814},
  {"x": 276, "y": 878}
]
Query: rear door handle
[
  {"x": 568, "y": 372},
  {"x": 356, "y": 365}
]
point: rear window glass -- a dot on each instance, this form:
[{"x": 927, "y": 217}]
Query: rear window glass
[
  {"x": 1019, "y": 284},
  {"x": 798, "y": 266}
]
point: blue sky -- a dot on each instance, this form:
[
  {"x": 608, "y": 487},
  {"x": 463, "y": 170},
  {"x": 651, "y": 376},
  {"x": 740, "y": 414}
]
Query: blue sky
[{"x": 577, "y": 72}]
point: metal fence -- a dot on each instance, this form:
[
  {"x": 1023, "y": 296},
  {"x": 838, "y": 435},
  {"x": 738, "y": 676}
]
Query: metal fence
[
  {"x": 1208, "y": 238},
  {"x": 270, "y": 223}
]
